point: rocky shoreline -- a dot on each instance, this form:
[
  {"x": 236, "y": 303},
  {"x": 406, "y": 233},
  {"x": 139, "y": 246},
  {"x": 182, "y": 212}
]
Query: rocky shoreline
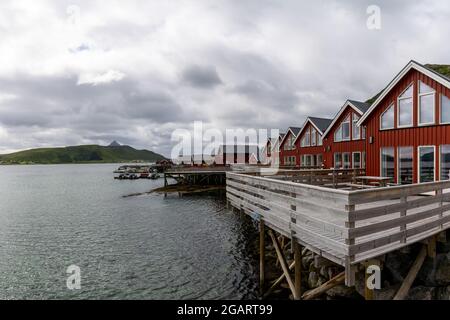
[{"x": 432, "y": 282}]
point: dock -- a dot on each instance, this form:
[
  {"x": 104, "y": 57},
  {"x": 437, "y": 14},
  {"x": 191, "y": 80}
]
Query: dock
[{"x": 322, "y": 211}]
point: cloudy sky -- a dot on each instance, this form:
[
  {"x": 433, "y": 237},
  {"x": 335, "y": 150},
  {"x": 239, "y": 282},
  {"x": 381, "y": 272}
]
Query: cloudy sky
[{"x": 82, "y": 72}]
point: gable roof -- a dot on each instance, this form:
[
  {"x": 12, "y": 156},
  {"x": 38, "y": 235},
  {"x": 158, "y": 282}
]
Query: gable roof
[
  {"x": 294, "y": 130},
  {"x": 321, "y": 124},
  {"x": 358, "y": 106},
  {"x": 442, "y": 76}
]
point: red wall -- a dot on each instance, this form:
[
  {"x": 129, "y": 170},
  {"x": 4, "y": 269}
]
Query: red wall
[
  {"x": 287, "y": 153},
  {"x": 308, "y": 150},
  {"x": 343, "y": 146},
  {"x": 416, "y": 136}
]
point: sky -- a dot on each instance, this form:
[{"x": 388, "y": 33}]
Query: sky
[{"x": 90, "y": 72}]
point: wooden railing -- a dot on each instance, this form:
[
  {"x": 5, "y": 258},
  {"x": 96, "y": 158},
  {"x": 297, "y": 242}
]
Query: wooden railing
[{"x": 344, "y": 226}]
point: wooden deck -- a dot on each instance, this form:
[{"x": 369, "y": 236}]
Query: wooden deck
[{"x": 345, "y": 226}]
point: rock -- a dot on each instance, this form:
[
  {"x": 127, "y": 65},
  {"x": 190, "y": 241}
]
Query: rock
[
  {"x": 306, "y": 261},
  {"x": 313, "y": 278},
  {"x": 436, "y": 272},
  {"x": 386, "y": 293},
  {"x": 324, "y": 272},
  {"x": 421, "y": 293},
  {"x": 398, "y": 264},
  {"x": 443, "y": 293},
  {"x": 342, "y": 291}
]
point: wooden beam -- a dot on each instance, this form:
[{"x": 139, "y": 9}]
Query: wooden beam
[
  {"x": 431, "y": 248},
  {"x": 277, "y": 282},
  {"x": 262, "y": 248},
  {"x": 314, "y": 293},
  {"x": 407, "y": 283},
  {"x": 369, "y": 293},
  {"x": 283, "y": 264},
  {"x": 298, "y": 268}
]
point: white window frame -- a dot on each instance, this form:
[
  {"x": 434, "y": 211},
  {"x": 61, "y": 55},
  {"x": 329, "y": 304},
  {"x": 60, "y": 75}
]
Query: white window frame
[
  {"x": 440, "y": 161},
  {"x": 349, "y": 121},
  {"x": 399, "y": 159},
  {"x": 440, "y": 109},
  {"x": 412, "y": 107},
  {"x": 313, "y": 141},
  {"x": 381, "y": 161},
  {"x": 354, "y": 122},
  {"x": 363, "y": 160},
  {"x": 349, "y": 160},
  {"x": 418, "y": 161},
  {"x": 334, "y": 160},
  {"x": 419, "y": 95},
  {"x": 353, "y": 159},
  {"x": 392, "y": 105},
  {"x": 336, "y": 137}
]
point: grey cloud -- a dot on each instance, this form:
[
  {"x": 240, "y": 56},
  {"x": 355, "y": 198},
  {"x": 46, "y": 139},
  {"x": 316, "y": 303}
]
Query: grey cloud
[{"x": 201, "y": 76}]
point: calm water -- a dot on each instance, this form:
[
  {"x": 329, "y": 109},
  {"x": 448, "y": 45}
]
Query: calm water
[{"x": 142, "y": 247}]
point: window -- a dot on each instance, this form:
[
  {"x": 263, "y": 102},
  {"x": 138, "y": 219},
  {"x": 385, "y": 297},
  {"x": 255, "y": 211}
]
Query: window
[
  {"x": 387, "y": 118},
  {"x": 426, "y": 164},
  {"x": 405, "y": 108},
  {"x": 346, "y": 160},
  {"x": 319, "y": 140},
  {"x": 387, "y": 162},
  {"x": 363, "y": 160},
  {"x": 289, "y": 145},
  {"x": 308, "y": 161},
  {"x": 319, "y": 160},
  {"x": 405, "y": 165},
  {"x": 337, "y": 160},
  {"x": 426, "y": 104},
  {"x": 445, "y": 162},
  {"x": 363, "y": 133},
  {"x": 445, "y": 109},
  {"x": 338, "y": 134},
  {"x": 356, "y": 131},
  {"x": 346, "y": 129},
  {"x": 313, "y": 161},
  {"x": 313, "y": 137},
  {"x": 356, "y": 161}
]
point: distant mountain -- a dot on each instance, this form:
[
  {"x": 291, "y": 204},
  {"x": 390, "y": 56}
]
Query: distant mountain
[
  {"x": 80, "y": 154},
  {"x": 114, "y": 144}
]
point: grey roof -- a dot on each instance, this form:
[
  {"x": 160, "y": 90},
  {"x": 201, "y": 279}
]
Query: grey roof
[
  {"x": 295, "y": 130},
  {"x": 321, "y": 123},
  {"x": 282, "y": 135},
  {"x": 239, "y": 148},
  {"x": 362, "y": 106}
]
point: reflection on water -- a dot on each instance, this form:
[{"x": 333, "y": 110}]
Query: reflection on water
[{"x": 145, "y": 247}]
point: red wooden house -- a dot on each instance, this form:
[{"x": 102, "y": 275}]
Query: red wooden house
[
  {"x": 288, "y": 152},
  {"x": 344, "y": 140},
  {"x": 309, "y": 142},
  {"x": 408, "y": 126}
]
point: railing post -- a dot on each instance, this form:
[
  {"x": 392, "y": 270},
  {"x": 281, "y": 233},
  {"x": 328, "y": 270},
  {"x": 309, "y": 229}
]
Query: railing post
[
  {"x": 403, "y": 212},
  {"x": 440, "y": 193},
  {"x": 262, "y": 248},
  {"x": 349, "y": 240}
]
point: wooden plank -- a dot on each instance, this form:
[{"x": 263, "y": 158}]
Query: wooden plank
[
  {"x": 317, "y": 292},
  {"x": 283, "y": 264},
  {"x": 277, "y": 282},
  {"x": 298, "y": 268},
  {"x": 262, "y": 249},
  {"x": 373, "y": 212},
  {"x": 396, "y": 222},
  {"x": 408, "y": 281}
]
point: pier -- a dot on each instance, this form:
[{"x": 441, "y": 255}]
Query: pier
[{"x": 328, "y": 213}]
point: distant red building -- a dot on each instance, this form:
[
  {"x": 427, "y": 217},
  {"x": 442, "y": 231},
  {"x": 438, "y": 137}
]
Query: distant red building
[
  {"x": 309, "y": 142},
  {"x": 288, "y": 151},
  {"x": 344, "y": 140}
]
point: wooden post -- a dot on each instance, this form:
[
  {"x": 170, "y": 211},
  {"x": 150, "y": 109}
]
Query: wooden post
[
  {"x": 407, "y": 283},
  {"x": 369, "y": 293},
  {"x": 431, "y": 248},
  {"x": 262, "y": 248},
  {"x": 402, "y": 214},
  {"x": 314, "y": 293},
  {"x": 283, "y": 264},
  {"x": 298, "y": 268},
  {"x": 441, "y": 214}
]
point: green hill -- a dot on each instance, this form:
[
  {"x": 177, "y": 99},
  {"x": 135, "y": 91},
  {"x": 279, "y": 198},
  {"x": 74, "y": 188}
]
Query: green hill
[{"x": 80, "y": 154}]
